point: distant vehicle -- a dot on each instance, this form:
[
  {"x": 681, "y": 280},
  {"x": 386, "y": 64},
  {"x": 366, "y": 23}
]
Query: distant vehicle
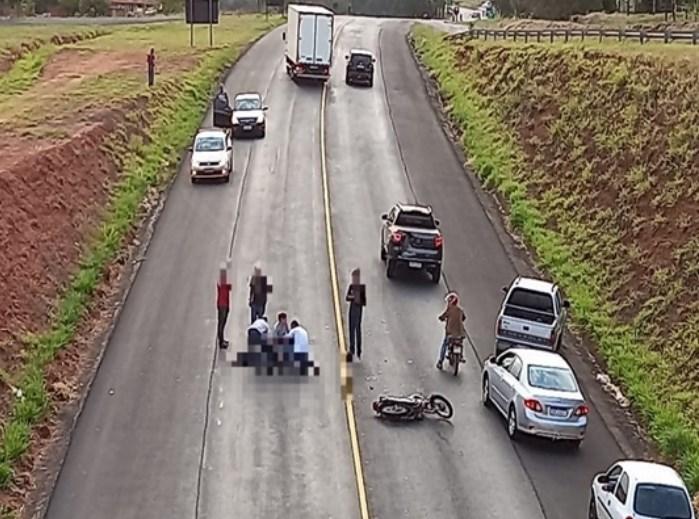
[
  {"x": 309, "y": 42},
  {"x": 532, "y": 314},
  {"x": 538, "y": 394},
  {"x": 249, "y": 115},
  {"x": 212, "y": 155},
  {"x": 360, "y": 68},
  {"x": 410, "y": 236},
  {"x": 639, "y": 489}
]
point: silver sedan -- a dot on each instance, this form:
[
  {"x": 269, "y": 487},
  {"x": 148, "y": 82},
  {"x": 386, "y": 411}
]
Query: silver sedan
[{"x": 538, "y": 394}]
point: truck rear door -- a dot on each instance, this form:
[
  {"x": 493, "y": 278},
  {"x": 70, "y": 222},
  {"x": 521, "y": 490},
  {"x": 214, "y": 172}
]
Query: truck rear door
[
  {"x": 323, "y": 40},
  {"x": 306, "y": 38}
]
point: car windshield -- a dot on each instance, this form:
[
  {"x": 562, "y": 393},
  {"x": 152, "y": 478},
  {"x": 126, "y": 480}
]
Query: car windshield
[
  {"x": 530, "y": 305},
  {"x": 556, "y": 379},
  {"x": 420, "y": 220},
  {"x": 661, "y": 501},
  {"x": 247, "y": 104},
  {"x": 209, "y": 144},
  {"x": 360, "y": 59}
]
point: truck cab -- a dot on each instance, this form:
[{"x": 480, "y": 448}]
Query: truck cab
[{"x": 533, "y": 314}]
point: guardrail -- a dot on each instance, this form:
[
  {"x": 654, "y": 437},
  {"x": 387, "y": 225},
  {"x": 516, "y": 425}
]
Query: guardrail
[{"x": 551, "y": 35}]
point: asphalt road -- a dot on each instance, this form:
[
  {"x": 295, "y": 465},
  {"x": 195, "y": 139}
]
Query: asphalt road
[{"x": 170, "y": 429}]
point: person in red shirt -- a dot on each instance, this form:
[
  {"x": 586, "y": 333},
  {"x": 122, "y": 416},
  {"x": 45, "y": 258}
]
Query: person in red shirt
[{"x": 223, "y": 296}]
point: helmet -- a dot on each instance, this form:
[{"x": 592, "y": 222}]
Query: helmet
[{"x": 452, "y": 298}]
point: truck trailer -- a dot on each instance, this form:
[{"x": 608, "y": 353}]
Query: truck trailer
[{"x": 309, "y": 42}]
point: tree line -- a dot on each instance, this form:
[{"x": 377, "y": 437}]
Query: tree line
[{"x": 564, "y": 9}]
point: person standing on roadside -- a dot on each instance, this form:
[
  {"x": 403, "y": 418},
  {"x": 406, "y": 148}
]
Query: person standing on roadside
[
  {"x": 151, "y": 67},
  {"x": 223, "y": 292},
  {"x": 356, "y": 296},
  {"x": 258, "y": 294}
]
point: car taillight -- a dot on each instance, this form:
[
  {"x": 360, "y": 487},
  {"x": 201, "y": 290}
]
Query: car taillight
[
  {"x": 299, "y": 68},
  {"x": 397, "y": 237},
  {"x": 534, "y": 405},
  {"x": 583, "y": 410},
  {"x": 438, "y": 241},
  {"x": 552, "y": 338},
  {"x": 499, "y": 326}
]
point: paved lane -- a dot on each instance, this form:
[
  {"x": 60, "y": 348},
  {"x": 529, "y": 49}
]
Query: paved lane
[
  {"x": 280, "y": 447},
  {"x": 448, "y": 472},
  {"x": 270, "y": 447},
  {"x": 430, "y": 469}
]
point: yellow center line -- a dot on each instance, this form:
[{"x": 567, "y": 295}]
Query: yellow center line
[{"x": 345, "y": 369}]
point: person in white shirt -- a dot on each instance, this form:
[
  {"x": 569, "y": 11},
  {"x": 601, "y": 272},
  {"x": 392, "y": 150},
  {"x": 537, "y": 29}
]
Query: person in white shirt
[
  {"x": 258, "y": 331},
  {"x": 300, "y": 337}
]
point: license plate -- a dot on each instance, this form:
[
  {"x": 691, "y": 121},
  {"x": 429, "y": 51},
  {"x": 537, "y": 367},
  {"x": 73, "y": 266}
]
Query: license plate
[
  {"x": 247, "y": 127},
  {"x": 558, "y": 412},
  {"x": 414, "y": 265}
]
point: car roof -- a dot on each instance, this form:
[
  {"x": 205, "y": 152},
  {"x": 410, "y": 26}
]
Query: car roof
[
  {"x": 414, "y": 208},
  {"x": 211, "y": 133},
  {"x": 536, "y": 285},
  {"x": 363, "y": 52},
  {"x": 248, "y": 95},
  {"x": 531, "y": 356},
  {"x": 649, "y": 472}
]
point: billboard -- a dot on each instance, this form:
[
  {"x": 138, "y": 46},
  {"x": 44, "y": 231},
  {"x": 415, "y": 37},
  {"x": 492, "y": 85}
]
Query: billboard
[{"x": 201, "y": 11}]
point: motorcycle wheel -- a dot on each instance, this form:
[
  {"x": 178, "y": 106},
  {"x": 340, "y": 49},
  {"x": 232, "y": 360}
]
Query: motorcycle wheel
[
  {"x": 441, "y": 406},
  {"x": 393, "y": 410},
  {"x": 456, "y": 361}
]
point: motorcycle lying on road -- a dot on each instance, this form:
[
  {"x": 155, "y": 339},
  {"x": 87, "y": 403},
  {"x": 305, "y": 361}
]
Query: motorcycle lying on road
[
  {"x": 413, "y": 407},
  {"x": 455, "y": 353}
]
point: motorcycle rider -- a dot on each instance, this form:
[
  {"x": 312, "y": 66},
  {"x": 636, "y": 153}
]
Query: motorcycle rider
[{"x": 454, "y": 318}]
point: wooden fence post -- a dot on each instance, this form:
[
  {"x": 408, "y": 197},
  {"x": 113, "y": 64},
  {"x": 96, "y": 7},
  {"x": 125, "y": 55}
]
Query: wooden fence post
[
  {"x": 667, "y": 36},
  {"x": 567, "y": 35},
  {"x": 538, "y": 36},
  {"x": 583, "y": 34},
  {"x": 551, "y": 35},
  {"x": 601, "y": 35},
  {"x": 643, "y": 34},
  {"x": 622, "y": 34},
  {"x": 526, "y": 36},
  {"x": 694, "y": 38}
]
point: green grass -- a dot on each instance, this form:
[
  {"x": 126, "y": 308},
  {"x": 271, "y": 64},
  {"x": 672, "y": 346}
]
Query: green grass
[
  {"x": 24, "y": 72},
  {"x": 648, "y": 377},
  {"x": 177, "y": 106}
]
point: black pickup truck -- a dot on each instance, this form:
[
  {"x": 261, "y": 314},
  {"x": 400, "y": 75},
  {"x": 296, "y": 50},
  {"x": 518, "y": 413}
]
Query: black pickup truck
[{"x": 410, "y": 236}]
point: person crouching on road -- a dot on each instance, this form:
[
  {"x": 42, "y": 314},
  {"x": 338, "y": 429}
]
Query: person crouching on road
[
  {"x": 223, "y": 291},
  {"x": 454, "y": 318},
  {"x": 356, "y": 296},
  {"x": 281, "y": 328},
  {"x": 258, "y": 331}
]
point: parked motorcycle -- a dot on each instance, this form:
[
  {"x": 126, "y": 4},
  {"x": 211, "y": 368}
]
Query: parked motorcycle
[
  {"x": 413, "y": 407},
  {"x": 455, "y": 353}
]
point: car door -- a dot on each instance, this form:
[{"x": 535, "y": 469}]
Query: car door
[
  {"x": 602, "y": 496},
  {"x": 229, "y": 151},
  {"x": 497, "y": 384},
  {"x": 385, "y": 229},
  {"x": 510, "y": 380}
]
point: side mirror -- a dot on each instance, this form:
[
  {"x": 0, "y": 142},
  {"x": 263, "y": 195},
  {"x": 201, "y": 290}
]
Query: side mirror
[
  {"x": 436, "y": 222},
  {"x": 284, "y": 36},
  {"x": 566, "y": 304},
  {"x": 603, "y": 479},
  {"x": 373, "y": 60},
  {"x": 384, "y": 216},
  {"x": 346, "y": 56},
  {"x": 230, "y": 147},
  {"x": 492, "y": 359},
  {"x": 609, "y": 487},
  {"x": 504, "y": 289},
  {"x": 265, "y": 108},
  {"x": 190, "y": 148}
]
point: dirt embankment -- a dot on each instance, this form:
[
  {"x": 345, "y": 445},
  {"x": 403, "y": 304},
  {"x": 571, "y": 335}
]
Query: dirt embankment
[{"x": 9, "y": 55}]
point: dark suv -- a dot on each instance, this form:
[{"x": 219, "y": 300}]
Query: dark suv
[
  {"x": 410, "y": 236},
  {"x": 360, "y": 67}
]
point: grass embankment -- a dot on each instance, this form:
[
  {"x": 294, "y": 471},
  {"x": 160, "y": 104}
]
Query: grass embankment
[
  {"x": 596, "y": 154},
  {"x": 174, "y": 108}
]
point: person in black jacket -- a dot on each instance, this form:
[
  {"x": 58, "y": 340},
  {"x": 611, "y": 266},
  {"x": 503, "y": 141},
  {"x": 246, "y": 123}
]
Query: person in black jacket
[{"x": 356, "y": 296}]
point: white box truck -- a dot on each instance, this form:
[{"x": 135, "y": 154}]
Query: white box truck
[{"x": 309, "y": 42}]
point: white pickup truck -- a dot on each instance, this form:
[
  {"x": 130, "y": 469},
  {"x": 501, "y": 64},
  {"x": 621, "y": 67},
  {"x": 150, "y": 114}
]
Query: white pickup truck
[{"x": 532, "y": 314}]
